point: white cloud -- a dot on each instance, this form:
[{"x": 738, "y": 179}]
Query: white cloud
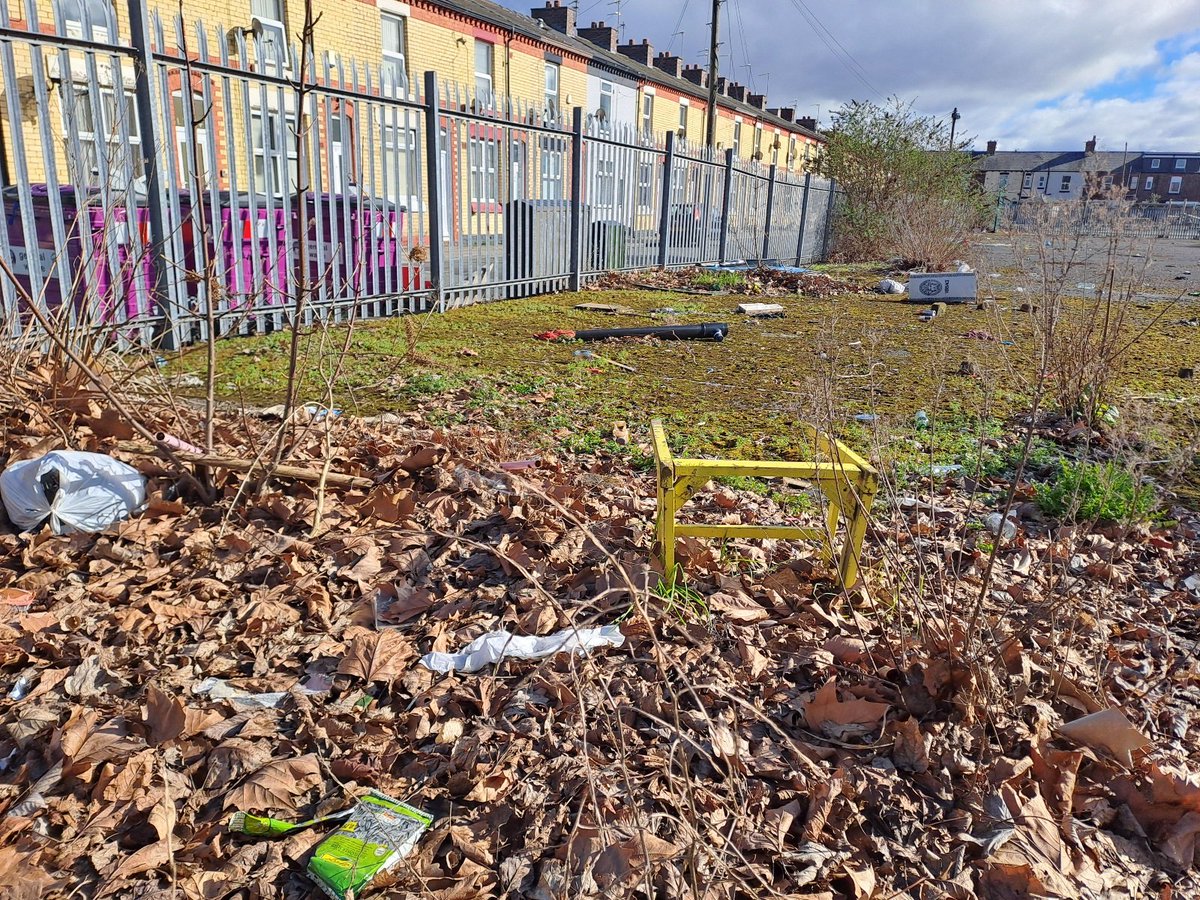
[{"x": 1019, "y": 72}]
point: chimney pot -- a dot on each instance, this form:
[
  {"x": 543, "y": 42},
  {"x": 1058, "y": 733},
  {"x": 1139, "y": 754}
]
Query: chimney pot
[
  {"x": 554, "y": 15},
  {"x": 641, "y": 53},
  {"x": 807, "y": 122},
  {"x": 601, "y": 35},
  {"x": 1090, "y": 146}
]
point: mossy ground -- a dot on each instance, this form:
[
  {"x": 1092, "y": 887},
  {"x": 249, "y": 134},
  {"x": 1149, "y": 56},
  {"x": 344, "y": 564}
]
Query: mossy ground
[{"x": 827, "y": 360}]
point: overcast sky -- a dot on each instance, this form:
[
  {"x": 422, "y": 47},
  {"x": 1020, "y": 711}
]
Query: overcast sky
[{"x": 1031, "y": 74}]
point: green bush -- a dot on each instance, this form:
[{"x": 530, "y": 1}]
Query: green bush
[{"x": 1092, "y": 491}]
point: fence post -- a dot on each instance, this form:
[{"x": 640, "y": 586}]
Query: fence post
[
  {"x": 664, "y": 216},
  {"x": 165, "y": 294},
  {"x": 576, "y": 282},
  {"x": 726, "y": 196},
  {"x": 434, "y": 177},
  {"x": 828, "y": 220},
  {"x": 803, "y": 218},
  {"x": 766, "y": 244}
]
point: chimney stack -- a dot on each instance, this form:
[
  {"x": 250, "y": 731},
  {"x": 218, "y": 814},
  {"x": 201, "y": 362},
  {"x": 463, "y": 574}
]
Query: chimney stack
[
  {"x": 1090, "y": 146},
  {"x": 736, "y": 91},
  {"x": 672, "y": 65},
  {"x": 642, "y": 53},
  {"x": 807, "y": 122},
  {"x": 759, "y": 100},
  {"x": 722, "y": 84},
  {"x": 601, "y": 35},
  {"x": 554, "y": 15},
  {"x": 788, "y": 114},
  {"x": 991, "y": 150},
  {"x": 696, "y": 75}
]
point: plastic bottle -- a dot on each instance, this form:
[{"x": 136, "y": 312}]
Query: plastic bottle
[
  {"x": 921, "y": 420},
  {"x": 22, "y": 686}
]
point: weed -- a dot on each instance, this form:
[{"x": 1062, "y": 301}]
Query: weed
[
  {"x": 1095, "y": 491},
  {"x": 682, "y": 603},
  {"x": 719, "y": 281}
]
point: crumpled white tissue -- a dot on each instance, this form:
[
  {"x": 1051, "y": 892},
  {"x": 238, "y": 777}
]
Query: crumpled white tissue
[{"x": 496, "y": 645}]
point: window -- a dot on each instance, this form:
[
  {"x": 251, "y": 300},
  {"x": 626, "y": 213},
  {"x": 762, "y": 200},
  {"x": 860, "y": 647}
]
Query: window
[
  {"x": 1106, "y": 182},
  {"x": 272, "y": 34},
  {"x": 399, "y": 163},
  {"x": 1027, "y": 181},
  {"x": 606, "y": 182},
  {"x": 645, "y": 188},
  {"x": 1181, "y": 164},
  {"x": 683, "y": 117},
  {"x": 1176, "y": 184},
  {"x": 1065, "y": 185},
  {"x": 606, "y": 101},
  {"x": 552, "y": 90},
  {"x": 1154, "y": 163},
  {"x": 104, "y": 141},
  {"x": 91, "y": 20},
  {"x": 647, "y": 114},
  {"x": 484, "y": 183},
  {"x": 1041, "y": 182},
  {"x": 554, "y": 151},
  {"x": 1149, "y": 185},
  {"x": 483, "y": 72},
  {"x": 1133, "y": 182},
  {"x": 791, "y": 157},
  {"x": 395, "y": 39},
  {"x": 184, "y": 133},
  {"x": 737, "y": 139},
  {"x": 758, "y": 141},
  {"x": 273, "y": 137}
]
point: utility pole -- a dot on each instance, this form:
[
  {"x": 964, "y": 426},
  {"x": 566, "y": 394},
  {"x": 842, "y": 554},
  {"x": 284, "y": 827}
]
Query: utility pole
[
  {"x": 954, "y": 117},
  {"x": 710, "y": 136}
]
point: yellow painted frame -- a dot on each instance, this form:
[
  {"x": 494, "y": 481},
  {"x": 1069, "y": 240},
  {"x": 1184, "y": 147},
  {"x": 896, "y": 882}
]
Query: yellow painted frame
[{"x": 848, "y": 482}]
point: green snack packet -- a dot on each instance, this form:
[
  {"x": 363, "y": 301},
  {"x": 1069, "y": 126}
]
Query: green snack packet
[{"x": 380, "y": 832}]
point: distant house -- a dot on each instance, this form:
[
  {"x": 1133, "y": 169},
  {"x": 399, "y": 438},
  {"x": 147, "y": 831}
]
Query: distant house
[
  {"x": 1170, "y": 177},
  {"x": 1050, "y": 174}
]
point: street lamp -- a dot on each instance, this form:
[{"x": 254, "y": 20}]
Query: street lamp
[{"x": 954, "y": 117}]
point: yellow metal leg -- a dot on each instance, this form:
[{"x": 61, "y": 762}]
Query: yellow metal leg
[{"x": 856, "y": 532}]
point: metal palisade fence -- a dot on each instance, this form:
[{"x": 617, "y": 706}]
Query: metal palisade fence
[
  {"x": 156, "y": 181},
  {"x": 1175, "y": 220}
]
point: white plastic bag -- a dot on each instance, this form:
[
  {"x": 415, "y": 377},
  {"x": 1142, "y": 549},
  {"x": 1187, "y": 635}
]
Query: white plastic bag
[
  {"x": 93, "y": 492},
  {"x": 496, "y": 645}
]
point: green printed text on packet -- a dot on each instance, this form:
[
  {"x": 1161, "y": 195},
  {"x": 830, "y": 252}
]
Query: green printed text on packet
[{"x": 380, "y": 832}]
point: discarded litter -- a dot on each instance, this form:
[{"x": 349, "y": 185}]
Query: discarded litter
[
  {"x": 379, "y": 832},
  {"x": 1000, "y": 526},
  {"x": 611, "y": 308},
  {"x": 22, "y": 686},
  {"x": 761, "y": 310},
  {"x": 75, "y": 491},
  {"x": 216, "y": 689},
  {"x": 865, "y": 417},
  {"x": 497, "y": 645},
  {"x": 262, "y": 826},
  {"x": 1085, "y": 286},
  {"x": 921, "y": 420},
  {"x": 943, "y": 471},
  {"x": 979, "y": 335},
  {"x": 710, "y": 331},
  {"x": 890, "y": 286}
]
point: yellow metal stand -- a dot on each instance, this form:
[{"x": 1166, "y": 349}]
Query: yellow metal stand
[{"x": 847, "y": 480}]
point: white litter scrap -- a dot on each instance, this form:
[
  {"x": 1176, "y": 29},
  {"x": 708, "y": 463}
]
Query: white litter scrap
[
  {"x": 497, "y": 645},
  {"x": 74, "y": 491}
]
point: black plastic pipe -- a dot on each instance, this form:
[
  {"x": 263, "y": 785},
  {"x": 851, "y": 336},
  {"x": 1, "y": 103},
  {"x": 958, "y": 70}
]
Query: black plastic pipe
[{"x": 710, "y": 331}]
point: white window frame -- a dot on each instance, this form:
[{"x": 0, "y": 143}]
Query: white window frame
[
  {"x": 1134, "y": 180},
  {"x": 1181, "y": 165},
  {"x": 552, "y": 81},
  {"x": 1155, "y": 163},
  {"x": 1027, "y": 181},
  {"x": 269, "y": 14},
  {"x": 108, "y": 139},
  {"x": 1175, "y": 186},
  {"x": 737, "y": 140},
  {"x": 645, "y": 186},
  {"x": 395, "y": 58},
  {"x": 1149, "y": 186},
  {"x": 400, "y": 161},
  {"x": 1106, "y": 181},
  {"x": 683, "y": 118},
  {"x": 605, "y": 181},
  {"x": 1064, "y": 184},
  {"x": 552, "y": 153},
  {"x": 483, "y": 154},
  {"x": 647, "y": 114},
  {"x": 608, "y": 98},
  {"x": 267, "y": 173},
  {"x": 1041, "y": 182},
  {"x": 101, "y": 24},
  {"x": 485, "y": 80},
  {"x": 183, "y": 139}
]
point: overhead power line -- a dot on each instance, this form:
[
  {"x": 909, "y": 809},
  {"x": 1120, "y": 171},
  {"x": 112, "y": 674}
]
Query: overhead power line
[{"x": 840, "y": 53}]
